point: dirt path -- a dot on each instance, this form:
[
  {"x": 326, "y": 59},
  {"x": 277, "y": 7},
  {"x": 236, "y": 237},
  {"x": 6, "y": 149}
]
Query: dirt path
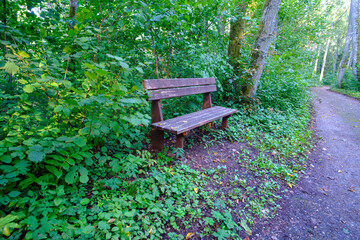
[{"x": 325, "y": 204}]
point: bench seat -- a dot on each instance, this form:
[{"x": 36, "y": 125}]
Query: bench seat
[{"x": 193, "y": 120}]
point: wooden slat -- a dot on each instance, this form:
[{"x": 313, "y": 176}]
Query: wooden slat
[
  {"x": 190, "y": 121},
  {"x": 178, "y": 92},
  {"x": 152, "y": 84}
]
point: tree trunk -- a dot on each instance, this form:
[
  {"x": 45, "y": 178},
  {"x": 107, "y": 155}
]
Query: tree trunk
[
  {"x": 324, "y": 61},
  {"x": 220, "y": 23},
  {"x": 317, "y": 59},
  {"x": 312, "y": 50},
  {"x": 262, "y": 44},
  {"x": 72, "y": 13},
  {"x": 344, "y": 59},
  {"x": 349, "y": 62},
  {"x": 236, "y": 36},
  {"x": 358, "y": 43},
  {"x": 354, "y": 37},
  {"x": 4, "y": 19},
  {"x": 335, "y": 54}
]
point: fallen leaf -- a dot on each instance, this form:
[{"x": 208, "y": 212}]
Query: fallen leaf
[
  {"x": 159, "y": 124},
  {"x": 189, "y": 235},
  {"x": 237, "y": 201},
  {"x": 355, "y": 126},
  {"x": 220, "y": 183},
  {"x": 295, "y": 171},
  {"x": 352, "y": 189},
  {"x": 111, "y": 220},
  {"x": 223, "y": 160},
  {"x": 184, "y": 121},
  {"x": 339, "y": 171},
  {"x": 325, "y": 189},
  {"x": 150, "y": 231},
  {"x": 196, "y": 190},
  {"x": 172, "y": 127},
  {"x": 203, "y": 174},
  {"x": 290, "y": 185},
  {"x": 289, "y": 175},
  {"x": 247, "y": 238}
]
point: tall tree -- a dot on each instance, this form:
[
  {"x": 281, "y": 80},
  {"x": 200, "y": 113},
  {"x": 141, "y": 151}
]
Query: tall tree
[
  {"x": 262, "y": 44},
  {"x": 317, "y": 59},
  {"x": 355, "y": 37},
  {"x": 324, "y": 60},
  {"x": 236, "y": 36},
  {"x": 344, "y": 59},
  {"x": 358, "y": 43}
]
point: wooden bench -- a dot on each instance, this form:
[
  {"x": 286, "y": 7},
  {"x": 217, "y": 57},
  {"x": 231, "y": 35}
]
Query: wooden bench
[{"x": 170, "y": 88}]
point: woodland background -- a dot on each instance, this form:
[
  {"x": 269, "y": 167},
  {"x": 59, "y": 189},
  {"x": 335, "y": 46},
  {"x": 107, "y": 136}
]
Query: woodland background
[{"x": 74, "y": 117}]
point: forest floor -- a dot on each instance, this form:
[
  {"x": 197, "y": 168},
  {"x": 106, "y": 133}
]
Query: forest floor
[{"x": 324, "y": 204}]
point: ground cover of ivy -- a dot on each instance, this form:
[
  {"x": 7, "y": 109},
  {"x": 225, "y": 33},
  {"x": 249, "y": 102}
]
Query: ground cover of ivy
[{"x": 142, "y": 196}]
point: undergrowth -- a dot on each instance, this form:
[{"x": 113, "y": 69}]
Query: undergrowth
[{"x": 352, "y": 93}]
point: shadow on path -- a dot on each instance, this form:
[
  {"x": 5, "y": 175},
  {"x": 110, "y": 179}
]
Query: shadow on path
[{"x": 325, "y": 203}]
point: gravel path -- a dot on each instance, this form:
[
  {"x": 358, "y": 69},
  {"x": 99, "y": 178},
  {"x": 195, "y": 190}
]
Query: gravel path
[{"x": 325, "y": 204}]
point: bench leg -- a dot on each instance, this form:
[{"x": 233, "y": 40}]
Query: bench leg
[
  {"x": 180, "y": 140},
  {"x": 224, "y": 122},
  {"x": 157, "y": 140}
]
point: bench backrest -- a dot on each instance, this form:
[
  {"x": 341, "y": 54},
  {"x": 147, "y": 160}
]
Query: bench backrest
[{"x": 169, "y": 88}]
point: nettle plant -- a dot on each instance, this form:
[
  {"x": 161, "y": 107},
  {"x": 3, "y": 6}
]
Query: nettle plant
[{"x": 58, "y": 110}]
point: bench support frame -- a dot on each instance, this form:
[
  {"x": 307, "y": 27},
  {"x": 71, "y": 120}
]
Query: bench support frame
[{"x": 157, "y": 136}]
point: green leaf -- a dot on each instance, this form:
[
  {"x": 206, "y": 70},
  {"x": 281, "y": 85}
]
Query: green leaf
[
  {"x": 57, "y": 201},
  {"x": 156, "y": 18},
  {"x": 83, "y": 171},
  {"x": 84, "y": 201},
  {"x": 67, "y": 111},
  {"x": 245, "y": 226},
  {"x": 29, "y": 88},
  {"x": 124, "y": 65},
  {"x": 67, "y": 49},
  {"x": 91, "y": 75},
  {"x": 71, "y": 176},
  {"x": 14, "y": 194},
  {"x": 6, "y": 159},
  {"x": 130, "y": 100},
  {"x": 115, "y": 57},
  {"x": 70, "y": 161},
  {"x": 23, "y": 54},
  {"x": 54, "y": 171},
  {"x": 11, "y": 68},
  {"x": 101, "y": 72},
  {"x": 139, "y": 70},
  {"x": 80, "y": 141},
  {"x": 89, "y": 66},
  {"x": 130, "y": 214},
  {"x": 67, "y": 83},
  {"x": 84, "y": 178},
  {"x": 58, "y": 108},
  {"x": 103, "y": 225},
  {"x": 36, "y": 156},
  {"x": 133, "y": 120}
]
